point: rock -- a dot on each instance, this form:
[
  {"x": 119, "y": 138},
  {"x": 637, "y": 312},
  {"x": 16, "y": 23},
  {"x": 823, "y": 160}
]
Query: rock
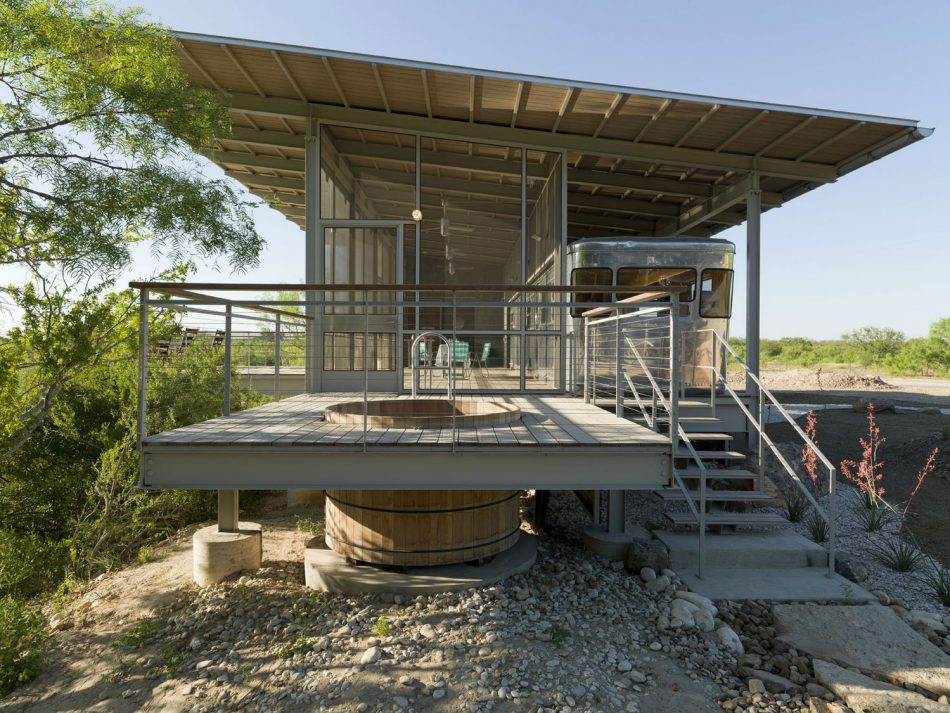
[
  {"x": 927, "y": 619},
  {"x": 869, "y": 638},
  {"x": 522, "y": 593},
  {"x": 851, "y": 567},
  {"x": 371, "y": 655},
  {"x": 698, "y": 600},
  {"x": 866, "y": 694},
  {"x": 401, "y": 701},
  {"x": 578, "y": 691},
  {"x": 730, "y": 639},
  {"x": 623, "y": 666},
  {"x": 681, "y": 614},
  {"x": 659, "y": 584},
  {"x": 656, "y": 646},
  {"x": 647, "y": 574},
  {"x": 813, "y": 689},
  {"x": 705, "y": 621},
  {"x": 362, "y": 707},
  {"x": 202, "y": 665},
  {"x": 816, "y": 705},
  {"x": 756, "y": 686},
  {"x": 427, "y": 631},
  {"x": 438, "y": 693},
  {"x": 648, "y": 553},
  {"x": 637, "y": 676},
  {"x": 773, "y": 682}
]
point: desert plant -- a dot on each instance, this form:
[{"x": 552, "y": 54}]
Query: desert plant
[
  {"x": 938, "y": 579},
  {"x": 817, "y": 526},
  {"x": 381, "y": 627},
  {"x": 809, "y": 458},
  {"x": 874, "y": 519},
  {"x": 896, "y": 554},
  {"x": 796, "y": 505},
  {"x": 868, "y": 472}
]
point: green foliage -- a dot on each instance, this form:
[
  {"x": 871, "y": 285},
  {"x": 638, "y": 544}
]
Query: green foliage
[
  {"x": 938, "y": 579},
  {"x": 872, "y": 347},
  {"x": 817, "y": 526},
  {"x": 559, "y": 635},
  {"x": 381, "y": 627},
  {"x": 138, "y": 633},
  {"x": 171, "y": 659},
  {"x": 873, "y": 519},
  {"x": 22, "y": 633},
  {"x": 309, "y": 525},
  {"x": 300, "y": 645},
  {"x": 896, "y": 554},
  {"x": 796, "y": 505}
]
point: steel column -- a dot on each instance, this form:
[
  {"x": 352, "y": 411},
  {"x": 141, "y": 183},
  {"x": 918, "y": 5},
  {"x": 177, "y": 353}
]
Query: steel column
[
  {"x": 227, "y": 361},
  {"x": 753, "y": 279},
  {"x": 277, "y": 358},
  {"x": 143, "y": 378},
  {"x": 312, "y": 256},
  {"x": 228, "y": 507}
]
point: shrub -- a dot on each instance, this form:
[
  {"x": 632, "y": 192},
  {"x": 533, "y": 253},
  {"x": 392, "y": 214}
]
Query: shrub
[
  {"x": 796, "y": 505},
  {"x": 896, "y": 554},
  {"x": 381, "y": 627},
  {"x": 22, "y": 633},
  {"x": 938, "y": 579},
  {"x": 873, "y": 519},
  {"x": 817, "y": 526},
  {"x": 868, "y": 472}
]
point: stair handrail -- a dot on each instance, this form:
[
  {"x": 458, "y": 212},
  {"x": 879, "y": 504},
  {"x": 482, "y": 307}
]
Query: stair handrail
[{"x": 829, "y": 517}]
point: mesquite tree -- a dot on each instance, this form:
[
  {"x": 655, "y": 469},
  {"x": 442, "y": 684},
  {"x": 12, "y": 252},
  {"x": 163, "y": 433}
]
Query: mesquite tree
[{"x": 98, "y": 133}]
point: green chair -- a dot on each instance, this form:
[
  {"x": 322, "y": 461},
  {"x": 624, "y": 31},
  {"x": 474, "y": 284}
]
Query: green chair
[{"x": 483, "y": 361}]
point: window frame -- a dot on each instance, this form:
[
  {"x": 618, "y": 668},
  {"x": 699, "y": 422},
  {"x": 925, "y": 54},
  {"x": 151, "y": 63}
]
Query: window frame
[
  {"x": 659, "y": 267},
  {"x": 602, "y": 297},
  {"x": 702, "y": 301}
]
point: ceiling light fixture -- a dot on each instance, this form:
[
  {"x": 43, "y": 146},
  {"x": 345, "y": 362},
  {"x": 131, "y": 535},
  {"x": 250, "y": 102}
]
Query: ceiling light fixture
[{"x": 417, "y": 215}]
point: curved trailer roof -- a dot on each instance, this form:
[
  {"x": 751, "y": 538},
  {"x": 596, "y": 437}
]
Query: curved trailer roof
[{"x": 641, "y": 161}]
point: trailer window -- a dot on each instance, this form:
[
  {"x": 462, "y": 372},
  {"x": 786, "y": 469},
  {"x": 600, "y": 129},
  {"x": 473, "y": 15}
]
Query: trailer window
[
  {"x": 661, "y": 278},
  {"x": 590, "y": 276},
  {"x": 716, "y": 297}
]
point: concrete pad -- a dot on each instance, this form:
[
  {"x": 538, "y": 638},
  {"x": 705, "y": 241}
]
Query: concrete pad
[
  {"x": 743, "y": 550},
  {"x": 865, "y": 694},
  {"x": 326, "y": 571},
  {"x": 218, "y": 555},
  {"x": 872, "y": 639},
  {"x": 612, "y": 546},
  {"x": 800, "y": 584}
]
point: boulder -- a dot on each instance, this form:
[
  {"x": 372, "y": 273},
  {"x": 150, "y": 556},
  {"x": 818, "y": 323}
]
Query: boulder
[
  {"x": 648, "y": 553},
  {"x": 851, "y": 567},
  {"x": 868, "y": 638},
  {"x": 866, "y": 694},
  {"x": 730, "y": 639},
  {"x": 681, "y": 614},
  {"x": 772, "y": 681}
]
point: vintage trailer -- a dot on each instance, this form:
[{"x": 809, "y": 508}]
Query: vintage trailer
[{"x": 702, "y": 267}]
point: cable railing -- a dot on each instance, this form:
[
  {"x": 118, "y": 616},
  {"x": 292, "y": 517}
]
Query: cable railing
[
  {"x": 361, "y": 339},
  {"x": 645, "y": 355}
]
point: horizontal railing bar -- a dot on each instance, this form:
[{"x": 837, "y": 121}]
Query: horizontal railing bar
[{"x": 364, "y": 287}]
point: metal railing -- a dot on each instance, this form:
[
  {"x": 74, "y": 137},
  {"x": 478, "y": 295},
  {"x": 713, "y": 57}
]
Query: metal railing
[
  {"x": 367, "y": 311},
  {"x": 757, "y": 422},
  {"x": 646, "y": 357}
]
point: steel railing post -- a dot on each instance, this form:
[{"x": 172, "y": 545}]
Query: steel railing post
[
  {"x": 674, "y": 376},
  {"x": 227, "y": 360},
  {"x": 702, "y": 520},
  {"x": 365, "y": 367},
  {"x": 761, "y": 444},
  {"x": 833, "y": 520},
  {"x": 451, "y": 355},
  {"x": 277, "y": 357},
  {"x": 586, "y": 361},
  {"x": 618, "y": 370},
  {"x": 143, "y": 379}
]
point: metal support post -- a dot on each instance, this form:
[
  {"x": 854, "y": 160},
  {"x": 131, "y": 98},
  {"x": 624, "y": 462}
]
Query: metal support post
[
  {"x": 365, "y": 367},
  {"x": 833, "y": 520},
  {"x": 753, "y": 281},
  {"x": 615, "y": 512},
  {"x": 227, "y": 360},
  {"x": 618, "y": 369},
  {"x": 674, "y": 373},
  {"x": 228, "y": 510},
  {"x": 143, "y": 379},
  {"x": 586, "y": 362},
  {"x": 277, "y": 357}
]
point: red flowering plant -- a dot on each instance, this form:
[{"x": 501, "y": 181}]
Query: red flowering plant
[
  {"x": 809, "y": 459},
  {"x": 868, "y": 472}
]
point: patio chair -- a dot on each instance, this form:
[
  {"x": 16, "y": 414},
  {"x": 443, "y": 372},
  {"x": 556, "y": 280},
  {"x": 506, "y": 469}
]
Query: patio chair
[
  {"x": 218, "y": 339},
  {"x": 460, "y": 355},
  {"x": 187, "y": 339},
  {"x": 482, "y": 361}
]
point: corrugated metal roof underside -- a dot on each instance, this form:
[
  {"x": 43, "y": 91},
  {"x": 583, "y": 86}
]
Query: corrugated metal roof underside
[{"x": 640, "y": 161}]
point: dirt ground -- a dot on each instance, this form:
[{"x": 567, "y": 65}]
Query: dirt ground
[{"x": 911, "y": 437}]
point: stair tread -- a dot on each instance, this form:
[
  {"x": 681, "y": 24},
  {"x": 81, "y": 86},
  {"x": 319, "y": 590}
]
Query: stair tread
[
  {"x": 711, "y": 436},
  {"x": 718, "y": 473},
  {"x": 728, "y": 518},
  {"x": 711, "y": 455},
  {"x": 716, "y": 495}
]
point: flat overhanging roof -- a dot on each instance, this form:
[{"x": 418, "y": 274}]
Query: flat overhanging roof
[{"x": 640, "y": 161}]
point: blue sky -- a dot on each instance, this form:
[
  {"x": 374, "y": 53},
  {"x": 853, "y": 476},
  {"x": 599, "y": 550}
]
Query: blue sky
[{"x": 871, "y": 249}]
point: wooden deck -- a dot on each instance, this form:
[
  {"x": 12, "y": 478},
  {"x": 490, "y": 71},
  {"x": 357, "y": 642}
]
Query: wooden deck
[{"x": 288, "y": 444}]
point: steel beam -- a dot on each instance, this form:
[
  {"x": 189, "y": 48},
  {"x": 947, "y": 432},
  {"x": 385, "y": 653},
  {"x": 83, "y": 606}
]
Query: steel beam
[
  {"x": 712, "y": 209},
  {"x": 679, "y": 156}
]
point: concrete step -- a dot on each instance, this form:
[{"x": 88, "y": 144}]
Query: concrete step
[
  {"x": 729, "y": 518},
  {"x": 691, "y": 472},
  {"x": 724, "y": 496},
  {"x": 775, "y": 549},
  {"x": 805, "y": 584}
]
